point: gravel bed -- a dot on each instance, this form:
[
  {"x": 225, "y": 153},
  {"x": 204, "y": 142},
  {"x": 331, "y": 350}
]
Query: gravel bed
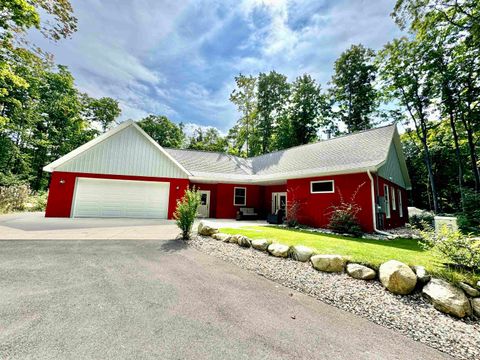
[{"x": 410, "y": 315}]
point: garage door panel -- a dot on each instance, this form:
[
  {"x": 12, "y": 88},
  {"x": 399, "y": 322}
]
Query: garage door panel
[{"x": 120, "y": 198}]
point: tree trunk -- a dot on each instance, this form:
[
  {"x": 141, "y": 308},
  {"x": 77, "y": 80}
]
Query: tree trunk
[{"x": 473, "y": 158}]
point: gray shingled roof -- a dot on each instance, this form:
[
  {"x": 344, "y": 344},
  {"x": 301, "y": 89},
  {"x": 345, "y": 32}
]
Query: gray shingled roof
[{"x": 354, "y": 151}]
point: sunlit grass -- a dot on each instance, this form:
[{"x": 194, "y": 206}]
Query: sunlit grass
[{"x": 369, "y": 252}]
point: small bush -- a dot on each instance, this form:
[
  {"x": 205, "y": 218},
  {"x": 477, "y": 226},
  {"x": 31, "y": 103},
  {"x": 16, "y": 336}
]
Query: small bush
[
  {"x": 13, "y": 197},
  {"x": 459, "y": 249},
  {"x": 343, "y": 217},
  {"x": 186, "y": 212},
  {"x": 36, "y": 202},
  {"x": 291, "y": 219},
  {"x": 421, "y": 221}
]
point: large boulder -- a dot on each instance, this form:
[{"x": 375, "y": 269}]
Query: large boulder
[
  {"x": 361, "y": 272},
  {"x": 397, "y": 277},
  {"x": 447, "y": 298},
  {"x": 221, "y": 237},
  {"x": 206, "y": 229},
  {"x": 470, "y": 290},
  {"x": 260, "y": 244},
  {"x": 234, "y": 239},
  {"x": 244, "y": 241},
  {"x": 422, "y": 275},
  {"x": 328, "y": 263},
  {"x": 278, "y": 250},
  {"x": 301, "y": 253},
  {"x": 476, "y": 306}
]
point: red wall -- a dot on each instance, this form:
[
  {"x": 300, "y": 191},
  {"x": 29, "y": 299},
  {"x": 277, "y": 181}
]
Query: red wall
[
  {"x": 225, "y": 208},
  {"x": 395, "y": 219},
  {"x": 268, "y": 190},
  {"x": 315, "y": 209},
  {"x": 60, "y": 196}
]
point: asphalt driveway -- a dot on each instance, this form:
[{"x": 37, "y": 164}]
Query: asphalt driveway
[{"x": 70, "y": 299}]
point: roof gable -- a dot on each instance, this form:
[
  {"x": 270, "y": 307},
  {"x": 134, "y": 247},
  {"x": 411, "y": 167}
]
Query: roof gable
[{"x": 125, "y": 150}]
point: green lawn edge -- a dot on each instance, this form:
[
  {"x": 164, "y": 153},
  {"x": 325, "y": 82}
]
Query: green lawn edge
[{"x": 364, "y": 251}]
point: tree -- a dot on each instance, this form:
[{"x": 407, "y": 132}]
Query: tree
[
  {"x": 163, "y": 131},
  {"x": 104, "y": 110},
  {"x": 245, "y": 98},
  {"x": 273, "y": 93},
  {"x": 405, "y": 72},
  {"x": 307, "y": 105},
  {"x": 353, "y": 88},
  {"x": 207, "y": 140}
]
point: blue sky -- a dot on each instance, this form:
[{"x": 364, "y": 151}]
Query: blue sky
[{"x": 179, "y": 58}]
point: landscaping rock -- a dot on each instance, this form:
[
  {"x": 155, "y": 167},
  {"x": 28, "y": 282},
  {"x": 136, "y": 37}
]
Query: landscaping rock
[
  {"x": 470, "y": 290},
  {"x": 475, "y": 306},
  {"x": 301, "y": 253},
  {"x": 422, "y": 275},
  {"x": 244, "y": 241},
  {"x": 328, "y": 263},
  {"x": 278, "y": 250},
  {"x": 397, "y": 277},
  {"x": 205, "y": 229},
  {"x": 478, "y": 284},
  {"x": 234, "y": 239},
  {"x": 260, "y": 244},
  {"x": 221, "y": 237},
  {"x": 447, "y": 298},
  {"x": 361, "y": 272}
]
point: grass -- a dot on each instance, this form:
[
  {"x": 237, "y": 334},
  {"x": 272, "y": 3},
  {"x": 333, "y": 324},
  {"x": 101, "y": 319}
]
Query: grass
[{"x": 368, "y": 252}]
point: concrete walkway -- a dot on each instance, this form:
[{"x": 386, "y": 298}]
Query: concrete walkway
[
  {"x": 163, "y": 300},
  {"x": 35, "y": 226}
]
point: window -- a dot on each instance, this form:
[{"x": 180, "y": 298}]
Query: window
[
  {"x": 321, "y": 187},
  {"x": 240, "y": 196},
  {"x": 394, "y": 200},
  {"x": 400, "y": 205},
  {"x": 386, "y": 196}
]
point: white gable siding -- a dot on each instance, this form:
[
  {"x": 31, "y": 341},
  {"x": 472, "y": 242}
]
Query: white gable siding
[
  {"x": 127, "y": 152},
  {"x": 391, "y": 169}
]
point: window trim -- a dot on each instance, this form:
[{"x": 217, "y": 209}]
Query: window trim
[
  {"x": 386, "y": 197},
  {"x": 234, "y": 196},
  {"x": 322, "y": 181},
  {"x": 400, "y": 203},
  {"x": 394, "y": 200}
]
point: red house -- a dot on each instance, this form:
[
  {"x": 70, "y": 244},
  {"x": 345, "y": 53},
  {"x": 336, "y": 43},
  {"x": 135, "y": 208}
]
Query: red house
[{"x": 125, "y": 173}]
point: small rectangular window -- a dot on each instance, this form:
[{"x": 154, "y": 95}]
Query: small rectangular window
[
  {"x": 240, "y": 196},
  {"x": 394, "y": 200},
  {"x": 322, "y": 187},
  {"x": 386, "y": 196},
  {"x": 400, "y": 204}
]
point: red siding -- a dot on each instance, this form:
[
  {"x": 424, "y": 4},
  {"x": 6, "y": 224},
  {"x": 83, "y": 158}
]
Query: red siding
[
  {"x": 395, "y": 219},
  {"x": 269, "y": 189},
  {"x": 224, "y": 202},
  {"x": 315, "y": 208},
  {"x": 60, "y": 196}
]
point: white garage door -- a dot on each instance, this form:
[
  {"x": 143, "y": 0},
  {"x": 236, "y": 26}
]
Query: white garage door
[{"x": 120, "y": 198}]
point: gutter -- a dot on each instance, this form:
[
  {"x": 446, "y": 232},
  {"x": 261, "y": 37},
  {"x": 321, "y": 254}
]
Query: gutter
[{"x": 374, "y": 212}]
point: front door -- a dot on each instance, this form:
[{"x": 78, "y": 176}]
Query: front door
[
  {"x": 204, "y": 208},
  {"x": 279, "y": 201}
]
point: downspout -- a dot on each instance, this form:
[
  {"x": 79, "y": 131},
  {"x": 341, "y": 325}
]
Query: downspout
[{"x": 374, "y": 212}]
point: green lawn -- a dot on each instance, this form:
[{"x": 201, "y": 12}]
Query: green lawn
[{"x": 368, "y": 252}]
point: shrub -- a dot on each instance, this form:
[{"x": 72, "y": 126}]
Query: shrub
[
  {"x": 13, "y": 197},
  {"x": 460, "y": 249},
  {"x": 343, "y": 217},
  {"x": 421, "y": 221},
  {"x": 36, "y": 202},
  {"x": 186, "y": 212},
  {"x": 293, "y": 209}
]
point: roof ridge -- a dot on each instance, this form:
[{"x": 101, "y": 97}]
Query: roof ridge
[{"x": 322, "y": 141}]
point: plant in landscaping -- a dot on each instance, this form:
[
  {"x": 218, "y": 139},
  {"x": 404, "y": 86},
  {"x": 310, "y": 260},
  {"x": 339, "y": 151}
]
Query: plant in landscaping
[
  {"x": 459, "y": 249},
  {"x": 421, "y": 221},
  {"x": 186, "y": 212},
  {"x": 293, "y": 208},
  {"x": 343, "y": 217},
  {"x": 13, "y": 197}
]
